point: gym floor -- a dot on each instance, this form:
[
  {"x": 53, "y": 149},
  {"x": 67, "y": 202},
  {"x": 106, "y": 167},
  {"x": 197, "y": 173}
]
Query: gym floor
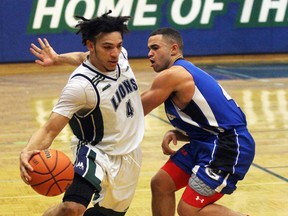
[{"x": 259, "y": 84}]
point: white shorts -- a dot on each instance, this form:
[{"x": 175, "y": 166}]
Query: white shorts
[{"x": 114, "y": 177}]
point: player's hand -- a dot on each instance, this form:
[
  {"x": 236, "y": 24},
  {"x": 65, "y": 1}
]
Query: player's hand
[
  {"x": 24, "y": 164},
  {"x": 45, "y": 53},
  {"x": 169, "y": 137}
]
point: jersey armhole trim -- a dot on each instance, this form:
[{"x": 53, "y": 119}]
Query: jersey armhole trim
[{"x": 96, "y": 90}]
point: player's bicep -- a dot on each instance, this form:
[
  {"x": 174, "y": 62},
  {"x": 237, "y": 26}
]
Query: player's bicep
[
  {"x": 160, "y": 90},
  {"x": 73, "y": 98}
]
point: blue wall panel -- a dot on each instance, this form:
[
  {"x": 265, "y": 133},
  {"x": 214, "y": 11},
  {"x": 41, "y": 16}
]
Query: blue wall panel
[{"x": 224, "y": 34}]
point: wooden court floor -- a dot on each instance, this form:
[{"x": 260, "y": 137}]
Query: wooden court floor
[{"x": 28, "y": 93}]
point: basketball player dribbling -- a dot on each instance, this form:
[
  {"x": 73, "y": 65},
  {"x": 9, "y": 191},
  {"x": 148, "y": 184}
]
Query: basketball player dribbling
[{"x": 100, "y": 97}]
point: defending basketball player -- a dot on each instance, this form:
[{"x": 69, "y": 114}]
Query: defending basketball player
[
  {"x": 101, "y": 103},
  {"x": 220, "y": 149}
]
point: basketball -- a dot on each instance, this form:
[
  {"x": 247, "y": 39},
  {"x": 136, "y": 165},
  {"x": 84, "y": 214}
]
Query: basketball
[{"x": 53, "y": 172}]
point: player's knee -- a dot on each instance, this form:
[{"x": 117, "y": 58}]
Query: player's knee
[
  {"x": 71, "y": 209},
  {"x": 182, "y": 212},
  {"x": 162, "y": 183},
  {"x": 184, "y": 209},
  {"x": 156, "y": 185}
]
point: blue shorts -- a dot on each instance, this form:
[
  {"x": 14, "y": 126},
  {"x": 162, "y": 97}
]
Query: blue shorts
[{"x": 219, "y": 162}]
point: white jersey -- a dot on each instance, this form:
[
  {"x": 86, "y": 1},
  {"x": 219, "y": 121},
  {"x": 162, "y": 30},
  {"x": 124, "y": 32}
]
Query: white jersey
[{"x": 105, "y": 109}]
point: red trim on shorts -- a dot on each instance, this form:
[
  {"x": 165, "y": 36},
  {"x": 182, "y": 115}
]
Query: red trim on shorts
[
  {"x": 195, "y": 199},
  {"x": 179, "y": 177}
]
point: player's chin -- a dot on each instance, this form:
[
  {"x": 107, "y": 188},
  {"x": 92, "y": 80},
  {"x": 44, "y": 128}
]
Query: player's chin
[
  {"x": 110, "y": 68},
  {"x": 155, "y": 68}
]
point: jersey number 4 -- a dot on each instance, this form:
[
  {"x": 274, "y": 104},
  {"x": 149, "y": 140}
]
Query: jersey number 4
[{"x": 129, "y": 109}]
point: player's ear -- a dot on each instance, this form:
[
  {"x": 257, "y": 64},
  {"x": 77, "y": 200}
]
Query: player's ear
[
  {"x": 90, "y": 45},
  {"x": 174, "y": 49}
]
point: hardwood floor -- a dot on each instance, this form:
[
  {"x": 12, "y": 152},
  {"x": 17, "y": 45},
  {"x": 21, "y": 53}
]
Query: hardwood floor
[{"x": 28, "y": 93}]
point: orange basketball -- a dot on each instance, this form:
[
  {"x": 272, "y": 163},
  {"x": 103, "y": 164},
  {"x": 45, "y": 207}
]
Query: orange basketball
[{"x": 53, "y": 172}]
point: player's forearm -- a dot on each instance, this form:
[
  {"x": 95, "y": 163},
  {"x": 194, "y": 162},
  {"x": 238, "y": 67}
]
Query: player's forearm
[
  {"x": 40, "y": 140},
  {"x": 72, "y": 58},
  {"x": 149, "y": 101}
]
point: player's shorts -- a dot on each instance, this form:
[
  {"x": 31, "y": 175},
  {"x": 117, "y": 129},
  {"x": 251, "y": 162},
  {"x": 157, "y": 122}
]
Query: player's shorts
[
  {"x": 190, "y": 195},
  {"x": 220, "y": 162},
  {"x": 114, "y": 177}
]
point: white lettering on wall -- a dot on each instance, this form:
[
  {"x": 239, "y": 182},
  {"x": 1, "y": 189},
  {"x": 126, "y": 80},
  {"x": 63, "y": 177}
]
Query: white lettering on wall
[
  {"x": 209, "y": 7},
  {"x": 139, "y": 17},
  {"x": 190, "y": 17},
  {"x": 122, "y": 8},
  {"x": 53, "y": 11},
  {"x": 268, "y": 5},
  {"x": 247, "y": 10},
  {"x": 70, "y": 11}
]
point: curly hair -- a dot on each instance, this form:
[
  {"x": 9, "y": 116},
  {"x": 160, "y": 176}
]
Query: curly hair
[{"x": 103, "y": 24}]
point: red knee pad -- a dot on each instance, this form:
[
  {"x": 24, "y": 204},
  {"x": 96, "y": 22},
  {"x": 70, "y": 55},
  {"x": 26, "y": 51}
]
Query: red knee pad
[{"x": 195, "y": 199}]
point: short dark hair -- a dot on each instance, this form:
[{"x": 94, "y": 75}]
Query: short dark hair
[
  {"x": 103, "y": 24},
  {"x": 171, "y": 34}
]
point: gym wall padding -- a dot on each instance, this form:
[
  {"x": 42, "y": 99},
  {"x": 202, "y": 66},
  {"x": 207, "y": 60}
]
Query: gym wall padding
[{"x": 208, "y": 27}]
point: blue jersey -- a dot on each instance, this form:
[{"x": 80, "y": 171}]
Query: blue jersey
[
  {"x": 221, "y": 148},
  {"x": 211, "y": 110}
]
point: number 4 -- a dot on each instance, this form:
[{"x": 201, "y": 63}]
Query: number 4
[{"x": 129, "y": 109}]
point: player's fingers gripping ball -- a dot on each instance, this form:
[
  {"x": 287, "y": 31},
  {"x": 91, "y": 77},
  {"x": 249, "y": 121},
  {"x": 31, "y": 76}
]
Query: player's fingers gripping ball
[{"x": 53, "y": 172}]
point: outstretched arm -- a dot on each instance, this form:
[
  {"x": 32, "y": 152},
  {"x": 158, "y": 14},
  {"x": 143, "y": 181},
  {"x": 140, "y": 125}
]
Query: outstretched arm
[{"x": 47, "y": 56}]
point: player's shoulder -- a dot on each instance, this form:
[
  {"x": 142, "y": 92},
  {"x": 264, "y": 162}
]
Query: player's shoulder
[
  {"x": 80, "y": 78},
  {"x": 175, "y": 71},
  {"x": 173, "y": 76}
]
